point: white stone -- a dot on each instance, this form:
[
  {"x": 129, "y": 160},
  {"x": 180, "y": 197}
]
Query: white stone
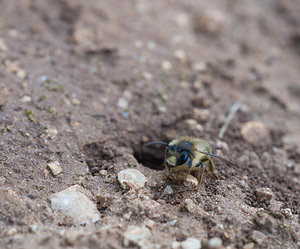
[
  {"x": 200, "y": 67},
  {"x": 215, "y": 242},
  {"x": 190, "y": 243},
  {"x": 21, "y": 73},
  {"x": 180, "y": 55},
  {"x": 162, "y": 108},
  {"x": 182, "y": 20},
  {"x": 131, "y": 178},
  {"x": 75, "y": 101},
  {"x": 72, "y": 203},
  {"x": 55, "y": 168},
  {"x": 122, "y": 103},
  {"x": 147, "y": 75},
  {"x": 287, "y": 212},
  {"x": 26, "y": 99},
  {"x": 166, "y": 65},
  {"x": 168, "y": 190},
  {"x": 135, "y": 235},
  {"x": 189, "y": 205},
  {"x": 191, "y": 182},
  {"x": 51, "y": 132},
  {"x": 175, "y": 245}
]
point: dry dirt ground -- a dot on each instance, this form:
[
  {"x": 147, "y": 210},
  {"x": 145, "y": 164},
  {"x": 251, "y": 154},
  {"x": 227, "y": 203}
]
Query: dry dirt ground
[{"x": 85, "y": 83}]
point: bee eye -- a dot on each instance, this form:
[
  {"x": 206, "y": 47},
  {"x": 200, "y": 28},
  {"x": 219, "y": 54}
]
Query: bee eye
[{"x": 183, "y": 158}]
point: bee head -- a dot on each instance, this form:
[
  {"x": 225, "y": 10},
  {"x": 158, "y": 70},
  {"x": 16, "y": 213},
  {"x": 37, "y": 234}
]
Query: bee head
[{"x": 175, "y": 155}]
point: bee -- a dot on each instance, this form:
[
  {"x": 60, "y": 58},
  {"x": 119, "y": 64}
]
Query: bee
[{"x": 188, "y": 155}]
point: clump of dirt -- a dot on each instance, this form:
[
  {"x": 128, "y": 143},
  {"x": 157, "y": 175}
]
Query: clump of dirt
[{"x": 85, "y": 84}]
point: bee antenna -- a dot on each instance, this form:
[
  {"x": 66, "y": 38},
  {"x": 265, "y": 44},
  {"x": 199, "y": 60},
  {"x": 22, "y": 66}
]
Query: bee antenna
[{"x": 156, "y": 142}]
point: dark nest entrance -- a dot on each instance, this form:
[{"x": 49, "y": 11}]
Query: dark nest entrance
[{"x": 151, "y": 157}]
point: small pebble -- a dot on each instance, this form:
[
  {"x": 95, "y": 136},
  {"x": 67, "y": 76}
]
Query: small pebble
[
  {"x": 147, "y": 75},
  {"x": 103, "y": 172},
  {"x": 11, "y": 231},
  {"x": 127, "y": 216},
  {"x": 193, "y": 124},
  {"x": 55, "y": 168},
  {"x": 181, "y": 56},
  {"x": 263, "y": 194},
  {"x": 75, "y": 101},
  {"x": 191, "y": 182},
  {"x": 127, "y": 94},
  {"x": 248, "y": 246},
  {"x": 43, "y": 78},
  {"x": 190, "y": 243},
  {"x": 122, "y": 103},
  {"x": 189, "y": 205},
  {"x": 26, "y": 99},
  {"x": 125, "y": 114},
  {"x": 135, "y": 235},
  {"x": 131, "y": 178},
  {"x": 168, "y": 190},
  {"x": 11, "y": 66},
  {"x": 222, "y": 145},
  {"x": 72, "y": 203},
  {"x": 182, "y": 20},
  {"x": 215, "y": 242},
  {"x": 201, "y": 115},
  {"x": 210, "y": 21},
  {"x": 287, "y": 212},
  {"x": 258, "y": 237},
  {"x": 33, "y": 228},
  {"x": 255, "y": 133},
  {"x": 162, "y": 109},
  {"x": 166, "y": 66},
  {"x": 51, "y": 133},
  {"x": 200, "y": 67},
  {"x": 21, "y": 73}
]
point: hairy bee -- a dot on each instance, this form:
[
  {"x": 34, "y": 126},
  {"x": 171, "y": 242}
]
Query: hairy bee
[{"x": 188, "y": 155}]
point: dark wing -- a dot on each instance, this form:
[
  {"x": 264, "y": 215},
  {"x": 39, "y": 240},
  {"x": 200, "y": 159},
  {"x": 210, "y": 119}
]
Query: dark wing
[{"x": 216, "y": 156}]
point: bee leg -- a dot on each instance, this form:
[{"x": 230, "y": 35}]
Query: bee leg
[
  {"x": 212, "y": 169},
  {"x": 200, "y": 173}
]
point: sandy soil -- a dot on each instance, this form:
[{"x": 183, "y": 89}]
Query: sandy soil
[{"x": 85, "y": 83}]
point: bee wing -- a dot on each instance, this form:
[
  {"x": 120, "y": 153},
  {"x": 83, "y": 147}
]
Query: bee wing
[{"x": 218, "y": 157}]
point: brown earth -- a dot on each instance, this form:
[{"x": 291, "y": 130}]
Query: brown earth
[{"x": 86, "y": 83}]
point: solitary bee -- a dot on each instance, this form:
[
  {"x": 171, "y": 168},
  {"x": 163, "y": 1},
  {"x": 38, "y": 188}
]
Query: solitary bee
[{"x": 188, "y": 155}]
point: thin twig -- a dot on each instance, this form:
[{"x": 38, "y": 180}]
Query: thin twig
[{"x": 234, "y": 108}]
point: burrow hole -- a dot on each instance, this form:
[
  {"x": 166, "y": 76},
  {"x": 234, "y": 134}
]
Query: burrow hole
[
  {"x": 150, "y": 156},
  {"x": 102, "y": 155}
]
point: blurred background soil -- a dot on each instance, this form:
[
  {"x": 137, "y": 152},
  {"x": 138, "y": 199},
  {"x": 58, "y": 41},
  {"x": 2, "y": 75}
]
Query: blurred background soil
[{"x": 84, "y": 83}]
